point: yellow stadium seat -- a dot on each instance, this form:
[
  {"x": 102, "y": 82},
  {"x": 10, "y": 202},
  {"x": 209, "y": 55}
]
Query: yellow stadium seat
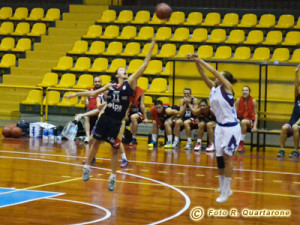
[
  {"x": 146, "y": 50},
  {"x": 67, "y": 80},
  {"x": 158, "y": 85},
  {"x": 128, "y": 32},
  {"x": 64, "y": 63},
  {"x": 217, "y": 36},
  {"x": 37, "y": 30},
  {"x": 176, "y": 18},
  {"x": 167, "y": 51},
  {"x": 266, "y": 21},
  {"x": 116, "y": 64},
  {"x": 141, "y": 17},
  {"x": 168, "y": 71},
  {"x": 248, "y": 20},
  {"x": 81, "y": 103},
  {"x": 281, "y": 55},
  {"x": 223, "y": 52},
  {"x": 295, "y": 57},
  {"x": 148, "y": 102},
  {"x": 99, "y": 65},
  {"x": 205, "y": 51},
  {"x": 97, "y": 48},
  {"x": 194, "y": 19},
  {"x": 34, "y": 97},
  {"x": 146, "y": 33},
  {"x": 49, "y": 80},
  {"x": 114, "y": 48},
  {"x": 105, "y": 79},
  {"x": 108, "y": 16},
  {"x": 6, "y": 28},
  {"x": 285, "y": 21},
  {"x": 163, "y": 34},
  {"x": 165, "y": 100},
  {"x": 131, "y": 49},
  {"x": 199, "y": 35},
  {"x": 212, "y": 19},
  {"x": 274, "y": 37},
  {"x": 261, "y": 54},
  {"x": 154, "y": 67},
  {"x": 8, "y": 60},
  {"x": 23, "y": 44},
  {"x": 143, "y": 83},
  {"x": 21, "y": 29},
  {"x": 5, "y": 13},
  {"x": 292, "y": 38},
  {"x": 125, "y": 16},
  {"x": 21, "y": 13},
  {"x": 85, "y": 81},
  {"x": 134, "y": 65},
  {"x": 111, "y": 32},
  {"x": 7, "y": 43},
  {"x": 184, "y": 50},
  {"x": 52, "y": 98},
  {"x": 236, "y": 37},
  {"x": 79, "y": 47},
  {"x": 36, "y": 14},
  {"x": 68, "y": 102},
  {"x": 297, "y": 26},
  {"x": 242, "y": 53},
  {"x": 230, "y": 20},
  {"x": 156, "y": 21},
  {"x": 181, "y": 34},
  {"x": 52, "y": 15},
  {"x": 94, "y": 31},
  {"x": 254, "y": 37},
  {"x": 82, "y": 64}
]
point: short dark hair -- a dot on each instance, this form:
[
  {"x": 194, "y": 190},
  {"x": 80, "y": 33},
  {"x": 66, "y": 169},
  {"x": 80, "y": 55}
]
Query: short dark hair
[
  {"x": 158, "y": 102},
  {"x": 188, "y": 89},
  {"x": 229, "y": 77},
  {"x": 204, "y": 100}
]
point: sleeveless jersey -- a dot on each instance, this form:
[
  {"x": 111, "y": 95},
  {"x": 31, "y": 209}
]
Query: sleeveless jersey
[
  {"x": 118, "y": 100},
  {"x": 222, "y": 105},
  {"x": 296, "y": 111},
  {"x": 92, "y": 100},
  {"x": 188, "y": 113}
]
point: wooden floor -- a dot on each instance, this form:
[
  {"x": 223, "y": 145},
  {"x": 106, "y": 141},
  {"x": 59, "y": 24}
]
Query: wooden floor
[{"x": 158, "y": 187}]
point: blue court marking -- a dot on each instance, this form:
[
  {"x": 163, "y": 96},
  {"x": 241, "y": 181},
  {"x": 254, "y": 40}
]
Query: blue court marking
[{"x": 12, "y": 196}]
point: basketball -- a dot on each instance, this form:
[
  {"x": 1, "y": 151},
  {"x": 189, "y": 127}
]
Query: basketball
[
  {"x": 163, "y": 11},
  {"x": 16, "y": 132},
  {"x": 6, "y": 131}
]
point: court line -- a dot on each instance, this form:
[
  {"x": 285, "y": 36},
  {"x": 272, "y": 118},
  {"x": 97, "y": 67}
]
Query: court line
[
  {"x": 187, "y": 199},
  {"x": 157, "y": 163}
]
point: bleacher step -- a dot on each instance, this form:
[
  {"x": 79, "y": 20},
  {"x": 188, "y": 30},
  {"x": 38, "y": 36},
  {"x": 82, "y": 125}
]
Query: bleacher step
[
  {"x": 25, "y": 63},
  {"x": 74, "y": 24},
  {"x": 95, "y": 9},
  {"x": 54, "y": 47},
  {"x": 58, "y": 39},
  {"x": 22, "y": 80},
  {"x": 44, "y": 55},
  {"x": 29, "y": 71},
  {"x": 66, "y": 32},
  {"x": 81, "y": 17}
]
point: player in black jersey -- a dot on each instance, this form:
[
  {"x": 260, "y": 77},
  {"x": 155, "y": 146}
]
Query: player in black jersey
[
  {"x": 292, "y": 127},
  {"x": 109, "y": 126}
]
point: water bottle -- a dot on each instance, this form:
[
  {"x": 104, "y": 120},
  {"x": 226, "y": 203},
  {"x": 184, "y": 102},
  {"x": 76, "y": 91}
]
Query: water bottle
[
  {"x": 45, "y": 134},
  {"x": 70, "y": 130},
  {"x": 51, "y": 134}
]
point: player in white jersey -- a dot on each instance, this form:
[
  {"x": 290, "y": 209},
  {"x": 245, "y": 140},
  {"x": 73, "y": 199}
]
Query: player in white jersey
[{"x": 228, "y": 130}]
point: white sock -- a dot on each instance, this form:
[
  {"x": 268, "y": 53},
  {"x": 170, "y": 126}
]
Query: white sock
[
  {"x": 199, "y": 140},
  {"x": 176, "y": 139},
  {"x": 189, "y": 140},
  {"x": 221, "y": 181},
  {"x": 170, "y": 138},
  {"x": 154, "y": 137},
  {"x": 243, "y": 137},
  {"x": 112, "y": 176},
  {"x": 124, "y": 156},
  {"x": 87, "y": 166},
  {"x": 227, "y": 182},
  {"x": 133, "y": 137}
]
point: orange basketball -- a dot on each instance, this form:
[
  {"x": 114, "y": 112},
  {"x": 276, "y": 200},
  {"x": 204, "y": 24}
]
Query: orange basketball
[
  {"x": 163, "y": 11},
  {"x": 16, "y": 132},
  {"x": 6, "y": 131}
]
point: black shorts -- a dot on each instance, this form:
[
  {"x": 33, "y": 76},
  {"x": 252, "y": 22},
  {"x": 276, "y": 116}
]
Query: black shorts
[{"x": 107, "y": 129}]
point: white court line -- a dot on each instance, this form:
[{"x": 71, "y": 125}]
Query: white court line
[
  {"x": 108, "y": 213},
  {"x": 157, "y": 163},
  {"x": 187, "y": 199}
]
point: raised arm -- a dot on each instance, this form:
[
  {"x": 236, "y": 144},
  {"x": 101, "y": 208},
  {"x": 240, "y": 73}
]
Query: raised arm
[
  {"x": 133, "y": 78},
  {"x": 90, "y": 93},
  {"x": 296, "y": 81}
]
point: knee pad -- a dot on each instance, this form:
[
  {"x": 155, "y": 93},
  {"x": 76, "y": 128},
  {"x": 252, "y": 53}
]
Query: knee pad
[
  {"x": 220, "y": 162},
  {"x": 117, "y": 143}
]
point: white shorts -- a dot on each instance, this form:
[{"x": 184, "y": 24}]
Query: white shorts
[{"x": 227, "y": 139}]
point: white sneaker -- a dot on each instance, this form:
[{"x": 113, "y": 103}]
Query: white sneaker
[
  {"x": 224, "y": 196},
  {"x": 86, "y": 173},
  {"x": 210, "y": 148},
  {"x": 198, "y": 146},
  {"x": 175, "y": 145},
  {"x": 111, "y": 185},
  {"x": 188, "y": 146},
  {"x": 87, "y": 139}
]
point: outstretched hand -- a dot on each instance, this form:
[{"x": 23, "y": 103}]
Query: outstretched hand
[
  {"x": 71, "y": 95},
  {"x": 192, "y": 56}
]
